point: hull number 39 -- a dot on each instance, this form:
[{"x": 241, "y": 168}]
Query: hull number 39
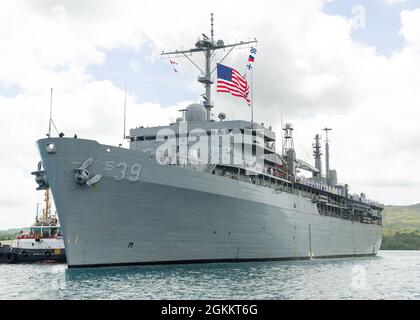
[{"x": 124, "y": 171}]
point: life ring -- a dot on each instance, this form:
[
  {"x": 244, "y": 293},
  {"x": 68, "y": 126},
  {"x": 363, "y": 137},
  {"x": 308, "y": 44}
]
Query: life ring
[{"x": 10, "y": 257}]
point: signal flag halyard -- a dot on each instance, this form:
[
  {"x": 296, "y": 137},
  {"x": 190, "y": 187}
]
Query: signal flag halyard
[
  {"x": 173, "y": 63},
  {"x": 251, "y": 57},
  {"x": 231, "y": 81}
]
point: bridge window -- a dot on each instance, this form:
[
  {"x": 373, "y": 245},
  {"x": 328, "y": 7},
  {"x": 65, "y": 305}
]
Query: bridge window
[
  {"x": 45, "y": 232},
  {"x": 37, "y": 232}
]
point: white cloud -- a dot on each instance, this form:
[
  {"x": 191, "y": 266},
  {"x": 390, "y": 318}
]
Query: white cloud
[
  {"x": 392, "y": 2},
  {"x": 307, "y": 68},
  {"x": 410, "y": 27}
]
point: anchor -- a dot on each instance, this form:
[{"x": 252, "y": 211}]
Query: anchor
[
  {"x": 82, "y": 176},
  {"x": 41, "y": 177}
]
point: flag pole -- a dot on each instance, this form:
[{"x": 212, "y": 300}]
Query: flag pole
[
  {"x": 125, "y": 109},
  {"x": 49, "y": 124},
  {"x": 252, "y": 100}
]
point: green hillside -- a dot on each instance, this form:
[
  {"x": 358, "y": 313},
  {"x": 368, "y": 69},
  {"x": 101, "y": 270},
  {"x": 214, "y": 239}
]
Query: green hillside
[
  {"x": 401, "y": 228},
  {"x": 9, "y": 234},
  {"x": 399, "y": 217}
]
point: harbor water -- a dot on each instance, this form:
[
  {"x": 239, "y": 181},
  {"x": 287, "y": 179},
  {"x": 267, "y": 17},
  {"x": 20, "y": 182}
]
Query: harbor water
[{"x": 390, "y": 275}]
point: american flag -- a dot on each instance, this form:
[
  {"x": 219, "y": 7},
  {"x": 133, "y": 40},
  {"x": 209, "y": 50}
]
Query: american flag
[{"x": 231, "y": 81}]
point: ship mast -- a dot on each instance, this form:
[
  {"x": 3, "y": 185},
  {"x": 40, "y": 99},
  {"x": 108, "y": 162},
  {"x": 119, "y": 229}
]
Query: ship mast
[
  {"x": 288, "y": 150},
  {"x": 208, "y": 46},
  {"x": 327, "y": 155},
  {"x": 46, "y": 211},
  {"x": 317, "y": 155},
  {"x": 37, "y": 212}
]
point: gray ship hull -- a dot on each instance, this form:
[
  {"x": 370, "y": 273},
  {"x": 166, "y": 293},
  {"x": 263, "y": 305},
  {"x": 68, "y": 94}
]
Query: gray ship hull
[{"x": 178, "y": 215}]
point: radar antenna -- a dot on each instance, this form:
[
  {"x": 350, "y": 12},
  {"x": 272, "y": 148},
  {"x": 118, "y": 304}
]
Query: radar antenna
[{"x": 208, "y": 47}]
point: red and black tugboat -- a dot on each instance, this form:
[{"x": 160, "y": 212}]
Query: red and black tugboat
[{"x": 43, "y": 242}]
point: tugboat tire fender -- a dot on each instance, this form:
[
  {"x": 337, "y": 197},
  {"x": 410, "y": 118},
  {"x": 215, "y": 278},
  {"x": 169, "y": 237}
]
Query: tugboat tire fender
[{"x": 10, "y": 257}]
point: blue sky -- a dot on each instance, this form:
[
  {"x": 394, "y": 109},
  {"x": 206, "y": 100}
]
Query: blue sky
[
  {"x": 382, "y": 22},
  {"x": 146, "y": 77}
]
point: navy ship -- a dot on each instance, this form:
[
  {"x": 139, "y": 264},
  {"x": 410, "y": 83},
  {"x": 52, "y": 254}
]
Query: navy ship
[{"x": 203, "y": 190}]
